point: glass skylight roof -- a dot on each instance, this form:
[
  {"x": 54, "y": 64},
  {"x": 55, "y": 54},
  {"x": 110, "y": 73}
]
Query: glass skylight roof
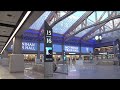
[
  {"x": 39, "y": 22},
  {"x": 65, "y": 24},
  {"x": 99, "y": 13},
  {"x": 104, "y": 17},
  {"x": 92, "y": 17},
  {"x": 80, "y": 34}
]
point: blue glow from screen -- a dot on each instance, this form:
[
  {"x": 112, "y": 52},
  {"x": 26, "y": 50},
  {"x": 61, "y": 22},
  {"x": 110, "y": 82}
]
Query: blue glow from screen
[{"x": 86, "y": 49}]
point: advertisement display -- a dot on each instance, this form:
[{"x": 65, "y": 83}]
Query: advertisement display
[
  {"x": 72, "y": 49},
  {"x": 30, "y": 46},
  {"x": 56, "y": 47},
  {"x": 86, "y": 49},
  {"x": 26, "y": 46}
]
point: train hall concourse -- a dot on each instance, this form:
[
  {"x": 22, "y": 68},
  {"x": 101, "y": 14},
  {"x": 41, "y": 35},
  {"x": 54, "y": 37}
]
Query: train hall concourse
[{"x": 59, "y": 44}]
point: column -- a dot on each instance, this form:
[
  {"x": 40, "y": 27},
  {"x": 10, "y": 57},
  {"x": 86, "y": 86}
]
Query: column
[
  {"x": 16, "y": 63},
  {"x": 37, "y": 61},
  {"x": 17, "y": 45},
  {"x": 80, "y": 51},
  {"x": 63, "y": 50},
  {"x": 48, "y": 51}
]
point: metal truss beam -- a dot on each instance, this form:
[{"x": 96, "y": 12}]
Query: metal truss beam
[
  {"x": 96, "y": 28},
  {"x": 115, "y": 29},
  {"x": 92, "y": 30},
  {"x": 78, "y": 22},
  {"x": 98, "y": 23},
  {"x": 59, "y": 19},
  {"x": 50, "y": 16}
]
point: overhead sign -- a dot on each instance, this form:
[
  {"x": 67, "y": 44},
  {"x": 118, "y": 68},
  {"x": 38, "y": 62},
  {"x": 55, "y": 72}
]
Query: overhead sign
[
  {"x": 48, "y": 50},
  {"x": 29, "y": 46},
  {"x": 71, "y": 49}
]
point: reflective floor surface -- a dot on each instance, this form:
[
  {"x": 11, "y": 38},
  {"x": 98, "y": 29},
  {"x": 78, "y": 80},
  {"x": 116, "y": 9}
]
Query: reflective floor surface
[{"x": 86, "y": 71}]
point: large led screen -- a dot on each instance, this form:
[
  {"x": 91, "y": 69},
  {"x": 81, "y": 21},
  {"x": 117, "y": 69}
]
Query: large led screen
[
  {"x": 71, "y": 49},
  {"x": 86, "y": 49}
]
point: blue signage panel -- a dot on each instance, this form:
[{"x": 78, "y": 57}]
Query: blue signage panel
[
  {"x": 29, "y": 46},
  {"x": 72, "y": 49},
  {"x": 26, "y": 46},
  {"x": 57, "y": 48},
  {"x": 86, "y": 49}
]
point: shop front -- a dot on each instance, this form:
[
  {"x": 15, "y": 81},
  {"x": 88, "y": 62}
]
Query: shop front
[{"x": 104, "y": 52}]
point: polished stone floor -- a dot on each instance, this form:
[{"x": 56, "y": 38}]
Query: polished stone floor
[{"x": 86, "y": 71}]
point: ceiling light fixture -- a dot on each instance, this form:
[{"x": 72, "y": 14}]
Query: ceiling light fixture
[
  {"x": 16, "y": 30},
  {"x": 98, "y": 38}
]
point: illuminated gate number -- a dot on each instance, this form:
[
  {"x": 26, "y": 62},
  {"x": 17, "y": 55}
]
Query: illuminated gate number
[
  {"x": 49, "y": 40},
  {"x": 48, "y": 32}
]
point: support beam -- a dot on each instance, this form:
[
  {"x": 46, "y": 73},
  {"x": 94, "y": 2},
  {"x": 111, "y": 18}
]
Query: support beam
[
  {"x": 78, "y": 22},
  {"x": 115, "y": 29},
  {"x": 31, "y": 19},
  {"x": 58, "y": 20},
  {"x": 50, "y": 16},
  {"x": 61, "y": 18},
  {"x": 94, "y": 29},
  {"x": 98, "y": 23}
]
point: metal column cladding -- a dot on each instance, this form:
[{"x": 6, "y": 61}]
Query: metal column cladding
[{"x": 48, "y": 50}]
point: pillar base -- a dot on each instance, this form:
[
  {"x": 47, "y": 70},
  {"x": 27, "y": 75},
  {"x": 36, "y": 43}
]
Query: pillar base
[
  {"x": 16, "y": 63},
  {"x": 48, "y": 69}
]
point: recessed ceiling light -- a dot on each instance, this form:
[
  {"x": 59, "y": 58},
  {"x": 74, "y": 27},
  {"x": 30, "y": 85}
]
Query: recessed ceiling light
[{"x": 9, "y": 15}]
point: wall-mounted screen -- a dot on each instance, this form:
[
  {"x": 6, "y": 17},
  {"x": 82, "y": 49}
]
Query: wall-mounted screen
[
  {"x": 71, "y": 49},
  {"x": 86, "y": 49}
]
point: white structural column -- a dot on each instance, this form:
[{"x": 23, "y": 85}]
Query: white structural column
[
  {"x": 80, "y": 51},
  {"x": 16, "y": 63},
  {"x": 17, "y": 45}
]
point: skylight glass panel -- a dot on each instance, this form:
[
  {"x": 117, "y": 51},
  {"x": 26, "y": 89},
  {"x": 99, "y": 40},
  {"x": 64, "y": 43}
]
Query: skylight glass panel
[
  {"x": 109, "y": 24},
  {"x": 116, "y": 21},
  {"x": 89, "y": 22},
  {"x": 92, "y": 17},
  {"x": 39, "y": 22},
  {"x": 62, "y": 13},
  {"x": 99, "y": 13},
  {"x": 65, "y": 24},
  {"x": 105, "y": 16},
  {"x": 96, "y": 32},
  {"x": 80, "y": 34}
]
